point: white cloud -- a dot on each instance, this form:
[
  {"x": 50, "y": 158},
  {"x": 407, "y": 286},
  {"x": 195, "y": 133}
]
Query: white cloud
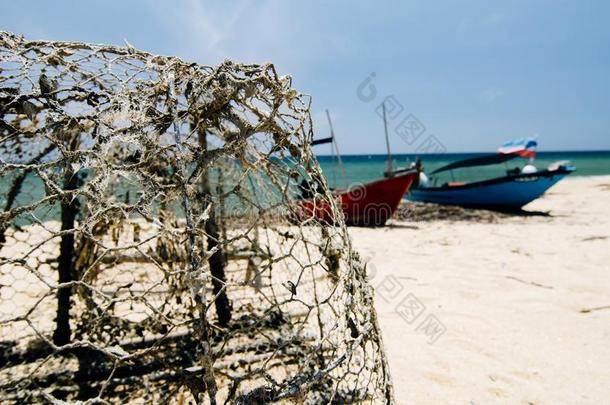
[
  {"x": 199, "y": 28},
  {"x": 249, "y": 32}
]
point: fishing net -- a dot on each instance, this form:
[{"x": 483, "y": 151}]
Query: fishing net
[{"x": 152, "y": 249}]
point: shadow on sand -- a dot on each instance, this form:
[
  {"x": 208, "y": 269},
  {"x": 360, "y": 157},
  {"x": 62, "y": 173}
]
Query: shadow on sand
[
  {"x": 422, "y": 212},
  {"x": 519, "y": 212}
]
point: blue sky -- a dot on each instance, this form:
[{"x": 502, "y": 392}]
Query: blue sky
[{"x": 473, "y": 73}]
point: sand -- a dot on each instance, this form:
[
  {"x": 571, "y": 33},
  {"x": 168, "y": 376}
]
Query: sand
[
  {"x": 502, "y": 311},
  {"x": 494, "y": 308}
]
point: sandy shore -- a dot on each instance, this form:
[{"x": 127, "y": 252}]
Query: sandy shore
[{"x": 504, "y": 312}]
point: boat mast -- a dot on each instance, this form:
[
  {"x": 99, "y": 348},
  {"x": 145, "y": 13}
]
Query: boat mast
[
  {"x": 336, "y": 149},
  {"x": 387, "y": 142}
]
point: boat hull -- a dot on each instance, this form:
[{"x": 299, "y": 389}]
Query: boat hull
[
  {"x": 510, "y": 192},
  {"x": 370, "y": 204}
]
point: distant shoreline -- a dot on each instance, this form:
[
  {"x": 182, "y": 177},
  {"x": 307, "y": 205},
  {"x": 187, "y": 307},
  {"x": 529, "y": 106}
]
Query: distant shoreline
[
  {"x": 383, "y": 155},
  {"x": 368, "y": 167}
]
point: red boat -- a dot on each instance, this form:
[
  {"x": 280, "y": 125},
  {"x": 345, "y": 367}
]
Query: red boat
[{"x": 370, "y": 204}]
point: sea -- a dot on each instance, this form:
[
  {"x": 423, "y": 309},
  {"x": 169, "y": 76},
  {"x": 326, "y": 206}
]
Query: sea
[
  {"x": 364, "y": 168},
  {"x": 358, "y": 169}
]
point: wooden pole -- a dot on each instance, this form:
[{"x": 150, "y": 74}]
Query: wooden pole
[
  {"x": 387, "y": 142},
  {"x": 217, "y": 259},
  {"x": 336, "y": 148},
  {"x": 65, "y": 266}
]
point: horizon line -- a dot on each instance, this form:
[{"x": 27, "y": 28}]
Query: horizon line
[{"x": 458, "y": 153}]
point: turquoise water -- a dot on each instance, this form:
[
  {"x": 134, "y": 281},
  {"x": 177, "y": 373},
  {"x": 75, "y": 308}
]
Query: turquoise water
[{"x": 364, "y": 168}]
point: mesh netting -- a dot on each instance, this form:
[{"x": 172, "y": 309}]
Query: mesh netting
[{"x": 151, "y": 245}]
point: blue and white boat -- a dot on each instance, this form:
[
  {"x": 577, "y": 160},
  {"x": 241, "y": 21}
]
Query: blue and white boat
[{"x": 516, "y": 188}]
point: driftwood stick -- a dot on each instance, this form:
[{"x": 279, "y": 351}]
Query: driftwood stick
[
  {"x": 587, "y": 310},
  {"x": 530, "y": 282}
]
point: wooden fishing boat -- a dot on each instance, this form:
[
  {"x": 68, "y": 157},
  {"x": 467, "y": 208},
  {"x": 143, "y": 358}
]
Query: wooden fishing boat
[
  {"x": 510, "y": 192},
  {"x": 370, "y": 204}
]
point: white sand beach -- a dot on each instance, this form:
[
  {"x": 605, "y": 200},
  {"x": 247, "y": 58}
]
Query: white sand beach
[{"x": 524, "y": 303}]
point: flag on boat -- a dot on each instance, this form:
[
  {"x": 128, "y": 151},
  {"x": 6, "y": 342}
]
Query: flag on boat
[{"x": 525, "y": 147}]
